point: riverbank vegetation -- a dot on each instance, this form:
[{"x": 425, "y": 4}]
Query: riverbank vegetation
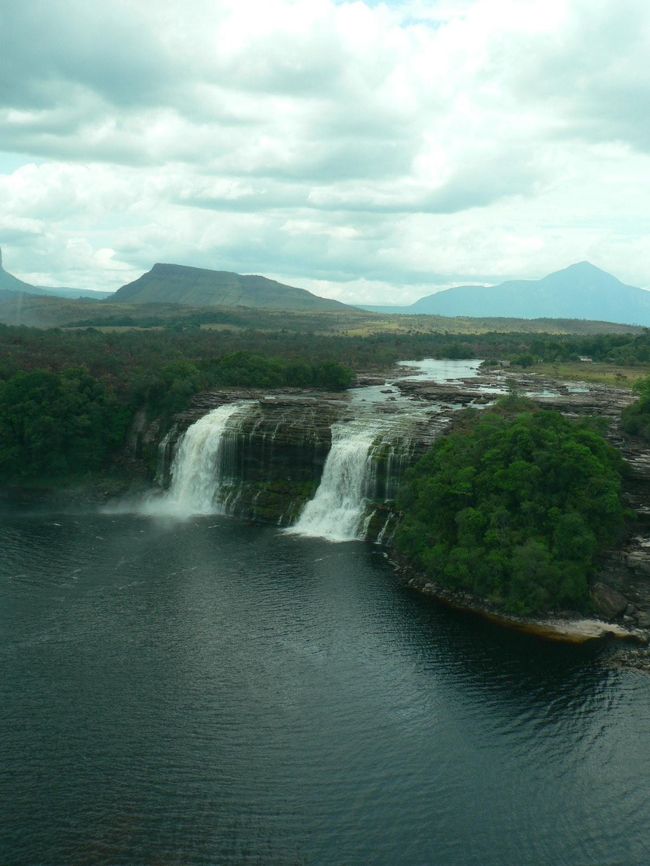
[
  {"x": 636, "y": 418},
  {"x": 55, "y": 424},
  {"x": 514, "y": 508},
  {"x": 123, "y": 354},
  {"x": 67, "y": 400},
  {"x": 596, "y": 373}
]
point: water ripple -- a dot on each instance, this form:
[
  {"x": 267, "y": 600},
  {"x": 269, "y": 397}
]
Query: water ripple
[{"x": 220, "y": 694}]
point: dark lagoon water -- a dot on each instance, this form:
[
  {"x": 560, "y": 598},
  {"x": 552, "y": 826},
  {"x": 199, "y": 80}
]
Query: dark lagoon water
[{"x": 206, "y": 692}]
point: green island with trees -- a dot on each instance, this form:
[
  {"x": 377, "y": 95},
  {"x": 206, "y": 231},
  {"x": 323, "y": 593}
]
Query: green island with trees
[{"x": 514, "y": 507}]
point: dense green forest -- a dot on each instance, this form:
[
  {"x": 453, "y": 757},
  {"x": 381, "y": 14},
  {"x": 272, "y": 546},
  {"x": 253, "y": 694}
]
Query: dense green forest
[
  {"x": 68, "y": 398},
  {"x": 514, "y": 509},
  {"x": 57, "y": 424},
  {"x": 624, "y": 349},
  {"x": 119, "y": 354},
  {"x": 162, "y": 368}
]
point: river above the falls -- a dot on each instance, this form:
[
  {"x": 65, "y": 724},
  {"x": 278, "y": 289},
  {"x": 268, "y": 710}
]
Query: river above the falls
[
  {"x": 440, "y": 369},
  {"x": 207, "y": 692}
]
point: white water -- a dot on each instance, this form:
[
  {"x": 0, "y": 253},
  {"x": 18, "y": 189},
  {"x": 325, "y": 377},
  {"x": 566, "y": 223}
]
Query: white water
[
  {"x": 336, "y": 512},
  {"x": 162, "y": 455},
  {"x": 339, "y": 508},
  {"x": 441, "y": 369},
  {"x": 199, "y": 474},
  {"x": 383, "y": 534}
]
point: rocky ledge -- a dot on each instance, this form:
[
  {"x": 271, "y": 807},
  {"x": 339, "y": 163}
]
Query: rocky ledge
[{"x": 564, "y": 627}]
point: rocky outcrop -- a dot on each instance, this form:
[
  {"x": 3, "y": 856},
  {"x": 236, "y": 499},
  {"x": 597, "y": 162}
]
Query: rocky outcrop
[
  {"x": 608, "y": 601},
  {"x": 564, "y": 628}
]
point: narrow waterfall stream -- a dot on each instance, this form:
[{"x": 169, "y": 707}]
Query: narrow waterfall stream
[
  {"x": 200, "y": 470},
  {"x": 336, "y": 512}
]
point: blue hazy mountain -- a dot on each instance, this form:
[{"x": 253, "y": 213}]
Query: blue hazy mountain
[
  {"x": 581, "y": 291},
  {"x": 12, "y": 285}
]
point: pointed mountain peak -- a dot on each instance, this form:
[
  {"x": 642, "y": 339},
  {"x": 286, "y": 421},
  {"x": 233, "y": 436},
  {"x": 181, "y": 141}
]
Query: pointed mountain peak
[
  {"x": 584, "y": 266},
  {"x": 585, "y": 269},
  {"x": 582, "y": 275}
]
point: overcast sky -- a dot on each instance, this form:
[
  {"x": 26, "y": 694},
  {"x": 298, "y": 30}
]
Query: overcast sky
[{"x": 367, "y": 151}]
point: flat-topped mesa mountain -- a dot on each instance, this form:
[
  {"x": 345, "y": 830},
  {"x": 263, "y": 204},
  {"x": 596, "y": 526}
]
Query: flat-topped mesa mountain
[
  {"x": 200, "y": 287},
  {"x": 581, "y": 291}
]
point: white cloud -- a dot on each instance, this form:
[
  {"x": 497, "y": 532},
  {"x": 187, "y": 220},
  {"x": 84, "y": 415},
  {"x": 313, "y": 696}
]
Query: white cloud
[{"x": 393, "y": 147}]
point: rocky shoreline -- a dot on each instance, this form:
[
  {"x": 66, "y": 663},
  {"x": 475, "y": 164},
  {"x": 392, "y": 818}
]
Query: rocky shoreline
[{"x": 562, "y": 626}]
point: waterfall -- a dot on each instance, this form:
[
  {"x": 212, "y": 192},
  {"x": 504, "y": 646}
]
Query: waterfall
[
  {"x": 203, "y": 467},
  {"x": 383, "y": 537},
  {"x": 163, "y": 456},
  {"x": 336, "y": 512}
]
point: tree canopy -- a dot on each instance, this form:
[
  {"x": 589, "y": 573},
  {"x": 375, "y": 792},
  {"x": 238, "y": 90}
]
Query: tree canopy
[
  {"x": 636, "y": 418},
  {"x": 514, "y": 510},
  {"x": 67, "y": 398},
  {"x": 54, "y": 424}
]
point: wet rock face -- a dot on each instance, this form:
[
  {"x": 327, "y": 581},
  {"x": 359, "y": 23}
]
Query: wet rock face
[
  {"x": 593, "y": 400},
  {"x": 626, "y": 571},
  {"x": 628, "y": 568},
  {"x": 275, "y": 456},
  {"x": 280, "y": 454},
  {"x": 608, "y": 601}
]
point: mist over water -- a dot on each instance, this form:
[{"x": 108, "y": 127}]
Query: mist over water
[{"x": 202, "y": 692}]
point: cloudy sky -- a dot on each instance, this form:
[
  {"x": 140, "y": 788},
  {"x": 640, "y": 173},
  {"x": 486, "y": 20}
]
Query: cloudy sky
[{"x": 368, "y": 151}]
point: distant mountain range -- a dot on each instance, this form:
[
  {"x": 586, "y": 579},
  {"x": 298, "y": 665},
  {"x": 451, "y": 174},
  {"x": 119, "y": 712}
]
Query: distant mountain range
[
  {"x": 581, "y": 291},
  {"x": 199, "y": 287},
  {"x": 10, "y": 284}
]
